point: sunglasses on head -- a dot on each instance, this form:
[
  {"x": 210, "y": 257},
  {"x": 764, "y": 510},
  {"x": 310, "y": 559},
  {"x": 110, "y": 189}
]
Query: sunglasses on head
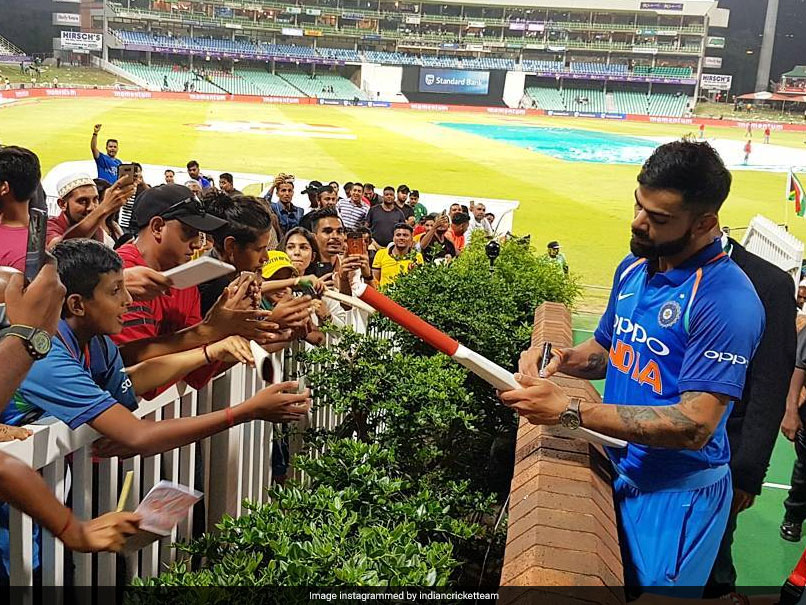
[{"x": 192, "y": 205}]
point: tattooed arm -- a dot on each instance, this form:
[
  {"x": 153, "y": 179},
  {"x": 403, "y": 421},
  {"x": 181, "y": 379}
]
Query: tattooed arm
[
  {"x": 688, "y": 424},
  {"x": 587, "y": 360}
]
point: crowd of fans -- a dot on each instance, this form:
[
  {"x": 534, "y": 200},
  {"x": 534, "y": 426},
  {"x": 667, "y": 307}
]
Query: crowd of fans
[{"x": 112, "y": 327}]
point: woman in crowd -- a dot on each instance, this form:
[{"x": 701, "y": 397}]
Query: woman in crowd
[
  {"x": 300, "y": 246},
  {"x": 243, "y": 243}
]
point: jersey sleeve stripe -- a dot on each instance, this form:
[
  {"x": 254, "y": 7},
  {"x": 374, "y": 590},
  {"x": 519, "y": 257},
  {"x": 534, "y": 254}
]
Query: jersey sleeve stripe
[{"x": 630, "y": 268}]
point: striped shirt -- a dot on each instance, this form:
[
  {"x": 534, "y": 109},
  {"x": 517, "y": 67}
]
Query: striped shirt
[{"x": 352, "y": 215}]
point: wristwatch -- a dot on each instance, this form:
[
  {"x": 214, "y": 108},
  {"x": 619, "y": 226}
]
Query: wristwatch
[
  {"x": 37, "y": 342},
  {"x": 571, "y": 418}
]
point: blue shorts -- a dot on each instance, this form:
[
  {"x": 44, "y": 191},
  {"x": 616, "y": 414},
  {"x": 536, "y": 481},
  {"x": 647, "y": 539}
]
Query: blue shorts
[{"x": 671, "y": 538}]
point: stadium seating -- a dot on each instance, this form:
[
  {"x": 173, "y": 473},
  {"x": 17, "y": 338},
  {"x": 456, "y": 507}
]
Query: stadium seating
[
  {"x": 663, "y": 72},
  {"x": 376, "y": 56},
  {"x": 584, "y": 99},
  {"x": 321, "y": 85},
  {"x": 340, "y": 54},
  {"x": 667, "y": 105},
  {"x": 598, "y": 68},
  {"x": 540, "y": 65},
  {"x": 628, "y": 101},
  {"x": 546, "y": 97},
  {"x": 176, "y": 77},
  {"x": 268, "y": 84}
]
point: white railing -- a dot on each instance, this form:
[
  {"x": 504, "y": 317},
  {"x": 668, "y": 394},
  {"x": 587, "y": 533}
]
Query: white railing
[{"x": 237, "y": 466}]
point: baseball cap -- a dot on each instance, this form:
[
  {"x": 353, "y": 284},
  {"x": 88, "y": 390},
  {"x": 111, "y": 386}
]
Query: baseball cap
[
  {"x": 554, "y": 245},
  {"x": 313, "y": 187},
  {"x": 173, "y": 202},
  {"x": 71, "y": 182},
  {"x": 278, "y": 261}
]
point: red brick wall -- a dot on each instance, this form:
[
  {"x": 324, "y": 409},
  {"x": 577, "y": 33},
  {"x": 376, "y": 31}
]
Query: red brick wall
[{"x": 562, "y": 525}]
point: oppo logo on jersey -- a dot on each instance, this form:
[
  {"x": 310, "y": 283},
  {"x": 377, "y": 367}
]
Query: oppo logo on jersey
[
  {"x": 637, "y": 334},
  {"x": 732, "y": 358}
]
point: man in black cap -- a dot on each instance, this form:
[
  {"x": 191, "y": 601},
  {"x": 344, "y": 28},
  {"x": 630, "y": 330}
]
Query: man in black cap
[
  {"x": 168, "y": 220},
  {"x": 311, "y": 191},
  {"x": 325, "y": 198},
  {"x": 553, "y": 255}
]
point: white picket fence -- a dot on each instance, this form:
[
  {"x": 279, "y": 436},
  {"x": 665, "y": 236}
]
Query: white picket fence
[{"x": 237, "y": 466}]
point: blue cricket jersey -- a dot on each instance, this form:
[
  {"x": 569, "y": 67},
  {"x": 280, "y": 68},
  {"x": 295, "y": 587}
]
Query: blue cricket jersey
[
  {"x": 692, "y": 328},
  {"x": 72, "y": 388}
]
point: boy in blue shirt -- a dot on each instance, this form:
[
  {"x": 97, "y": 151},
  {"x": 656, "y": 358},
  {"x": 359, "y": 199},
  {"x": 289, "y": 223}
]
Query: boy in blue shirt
[{"x": 681, "y": 326}]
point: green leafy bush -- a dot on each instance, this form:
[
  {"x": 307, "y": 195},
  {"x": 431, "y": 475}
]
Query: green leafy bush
[
  {"x": 491, "y": 312},
  {"x": 357, "y": 524}
]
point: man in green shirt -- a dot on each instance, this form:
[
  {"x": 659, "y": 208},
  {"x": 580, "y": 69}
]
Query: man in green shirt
[
  {"x": 414, "y": 201},
  {"x": 553, "y": 255}
]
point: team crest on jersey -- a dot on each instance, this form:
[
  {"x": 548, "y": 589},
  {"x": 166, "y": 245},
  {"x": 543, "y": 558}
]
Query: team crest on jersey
[{"x": 669, "y": 314}]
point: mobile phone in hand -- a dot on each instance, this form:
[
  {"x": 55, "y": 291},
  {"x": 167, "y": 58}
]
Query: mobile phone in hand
[
  {"x": 37, "y": 234},
  {"x": 131, "y": 170},
  {"x": 356, "y": 245}
]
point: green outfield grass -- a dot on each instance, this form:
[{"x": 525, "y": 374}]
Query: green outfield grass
[{"x": 586, "y": 206}]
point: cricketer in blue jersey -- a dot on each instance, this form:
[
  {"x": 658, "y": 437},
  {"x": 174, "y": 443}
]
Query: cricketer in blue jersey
[{"x": 681, "y": 326}]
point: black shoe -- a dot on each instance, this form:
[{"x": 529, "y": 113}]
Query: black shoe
[{"x": 791, "y": 531}]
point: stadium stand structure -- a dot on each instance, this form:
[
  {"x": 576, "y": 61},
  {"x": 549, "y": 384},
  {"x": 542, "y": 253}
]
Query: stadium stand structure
[
  {"x": 245, "y": 81},
  {"x": 619, "y": 57},
  {"x": 9, "y": 53},
  {"x": 551, "y": 98},
  {"x": 202, "y": 45}
]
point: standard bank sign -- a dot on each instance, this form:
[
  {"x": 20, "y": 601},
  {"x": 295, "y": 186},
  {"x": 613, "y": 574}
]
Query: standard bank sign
[{"x": 454, "y": 81}]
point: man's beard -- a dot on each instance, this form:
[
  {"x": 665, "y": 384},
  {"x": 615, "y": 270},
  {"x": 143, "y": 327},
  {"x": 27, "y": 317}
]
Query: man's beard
[
  {"x": 70, "y": 219},
  {"x": 646, "y": 249}
]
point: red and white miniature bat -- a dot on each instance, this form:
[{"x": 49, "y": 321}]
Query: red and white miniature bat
[{"x": 482, "y": 367}]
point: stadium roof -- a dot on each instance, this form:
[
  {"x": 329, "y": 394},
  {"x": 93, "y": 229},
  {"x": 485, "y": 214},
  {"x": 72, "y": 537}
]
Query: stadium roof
[
  {"x": 799, "y": 71},
  {"x": 773, "y": 96},
  {"x": 680, "y": 7}
]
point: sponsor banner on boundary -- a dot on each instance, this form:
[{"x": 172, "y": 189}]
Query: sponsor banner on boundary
[
  {"x": 343, "y": 102},
  {"x": 282, "y": 100},
  {"x": 428, "y": 107},
  {"x": 132, "y": 94},
  {"x": 180, "y": 96},
  {"x": 507, "y": 111},
  {"x": 373, "y": 104}
]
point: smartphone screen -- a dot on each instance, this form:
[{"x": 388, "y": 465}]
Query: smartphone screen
[
  {"x": 37, "y": 232},
  {"x": 356, "y": 244}
]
